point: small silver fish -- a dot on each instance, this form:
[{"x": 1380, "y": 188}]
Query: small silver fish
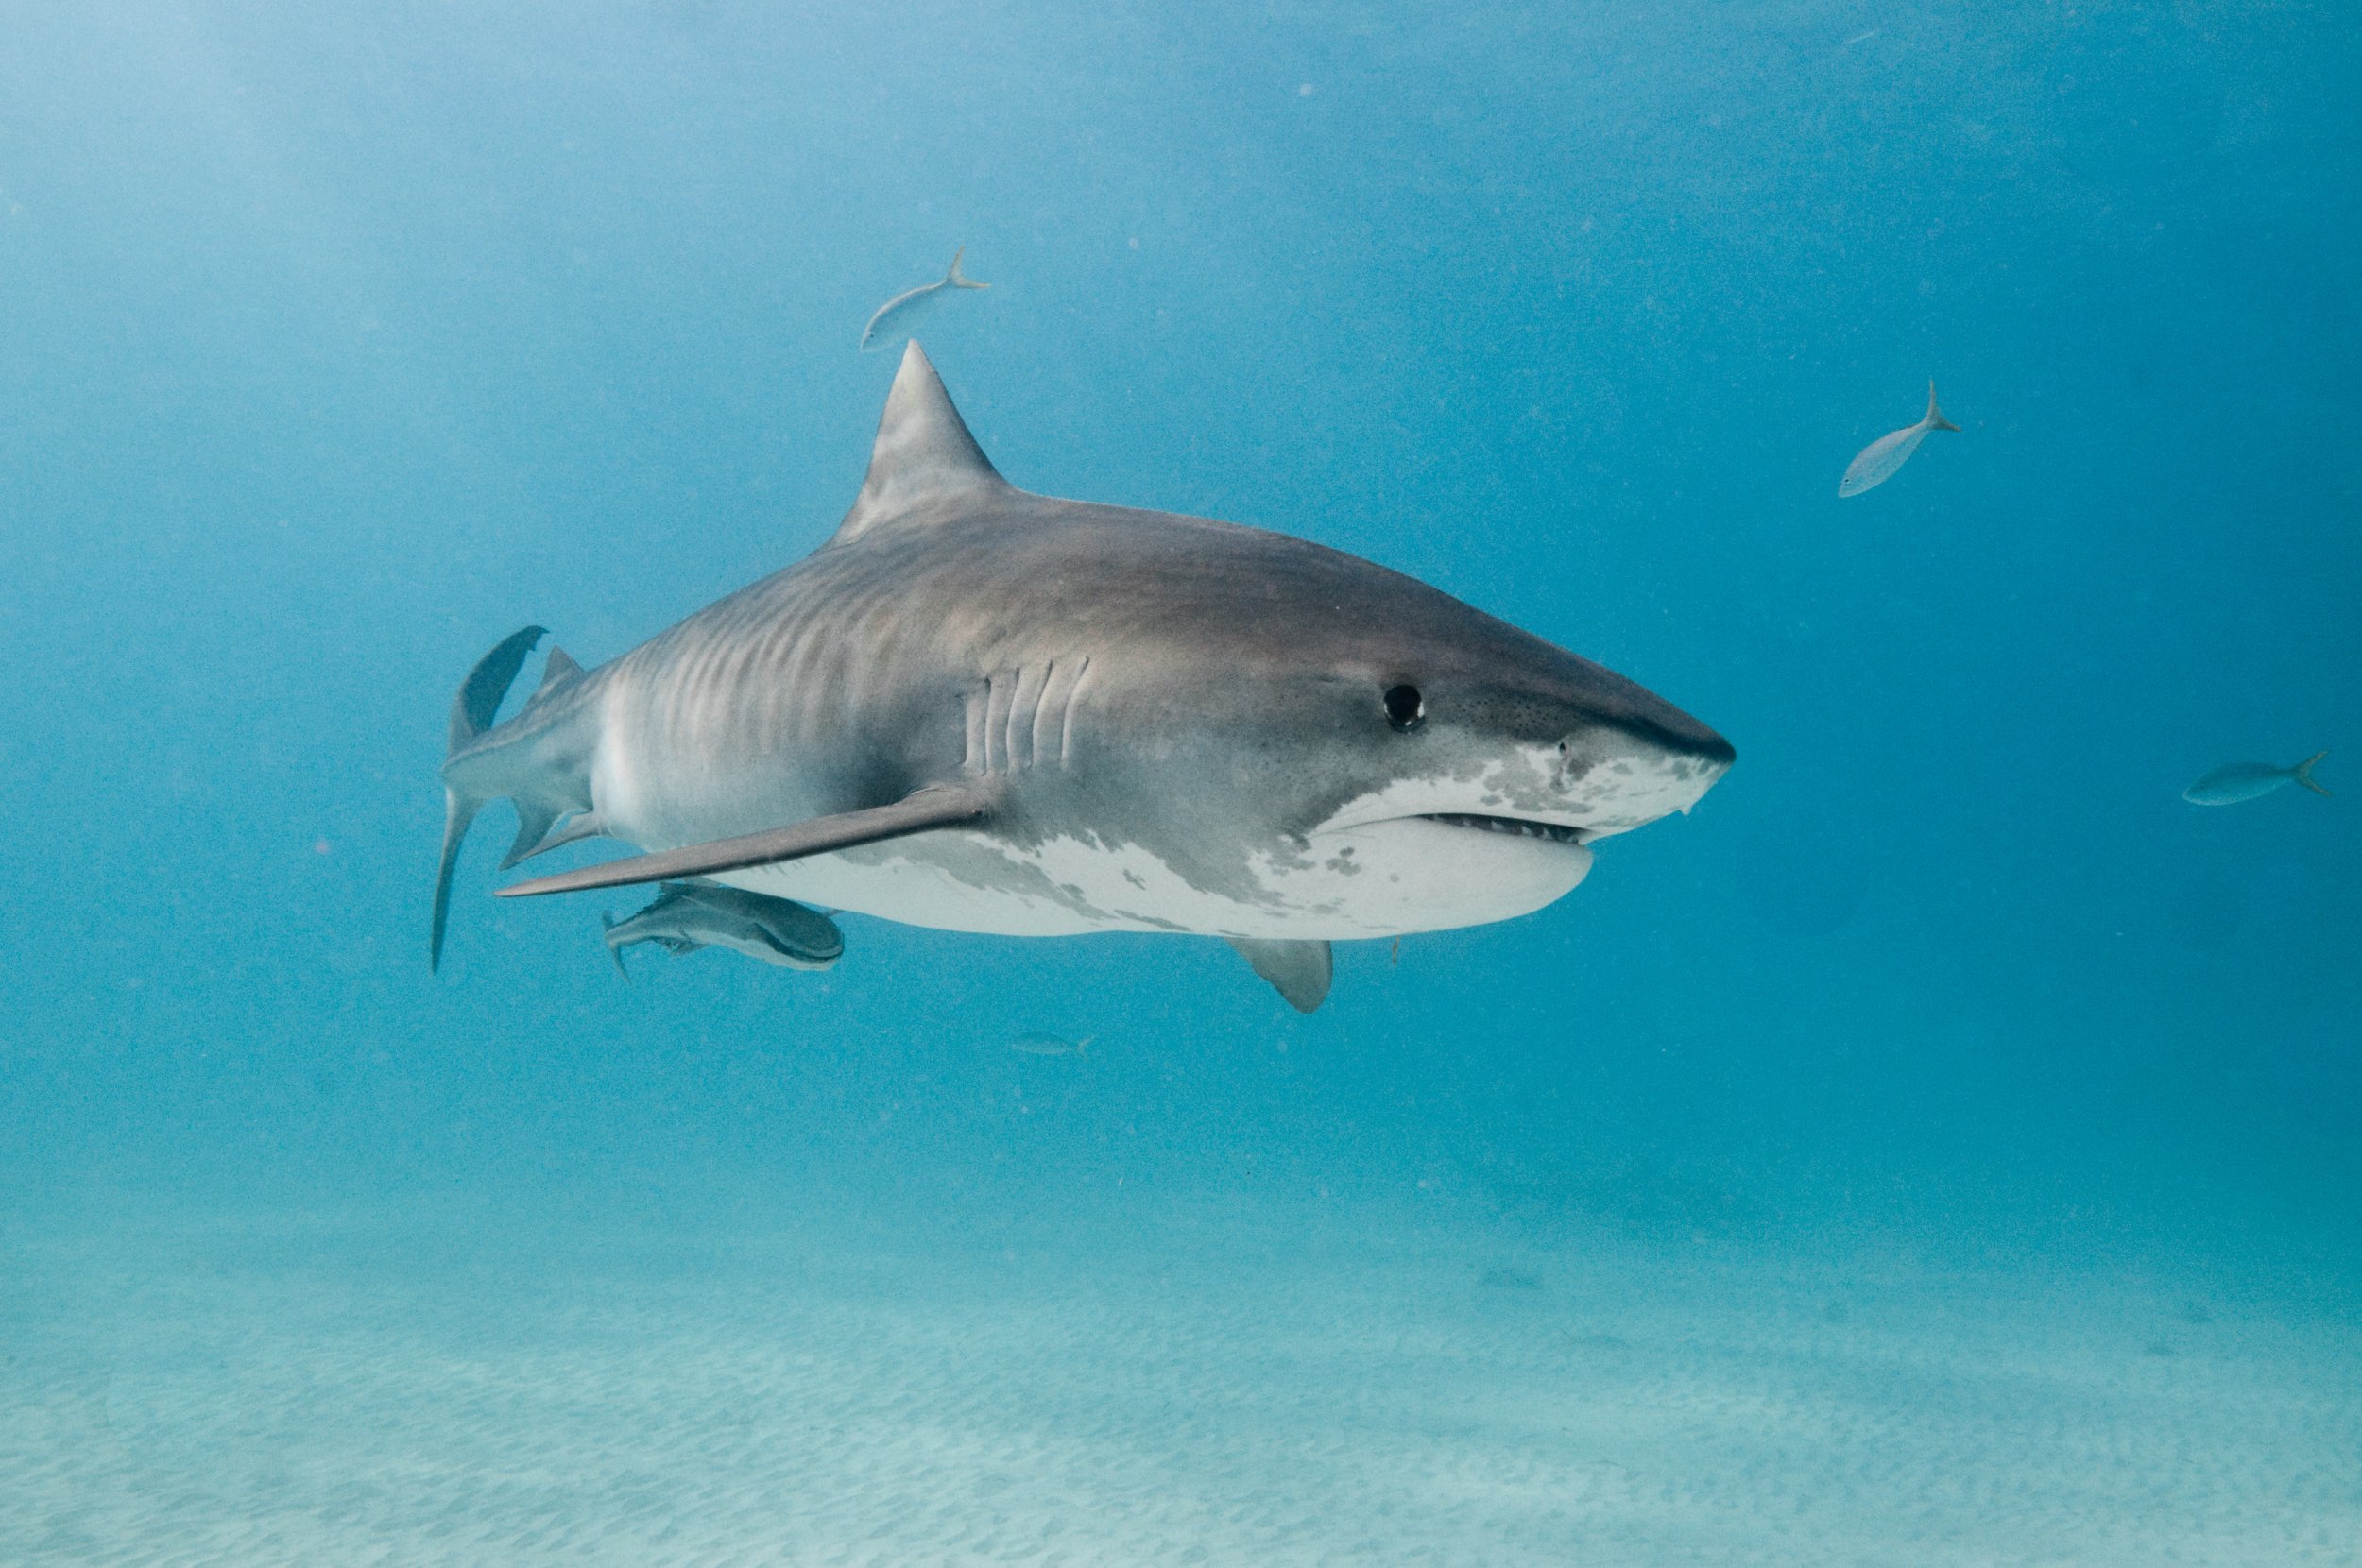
[
  {"x": 2236, "y": 781},
  {"x": 898, "y": 315},
  {"x": 689, "y": 915},
  {"x": 1034, "y": 1043},
  {"x": 1875, "y": 463}
]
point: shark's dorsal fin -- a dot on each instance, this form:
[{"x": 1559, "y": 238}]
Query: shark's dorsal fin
[{"x": 924, "y": 456}]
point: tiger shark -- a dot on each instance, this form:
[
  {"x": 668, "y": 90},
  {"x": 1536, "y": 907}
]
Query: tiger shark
[{"x": 980, "y": 710}]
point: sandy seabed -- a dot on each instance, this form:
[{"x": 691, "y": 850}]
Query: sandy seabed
[{"x": 329, "y": 1390}]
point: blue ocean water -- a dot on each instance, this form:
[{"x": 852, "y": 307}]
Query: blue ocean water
[{"x": 1946, "y": 1144}]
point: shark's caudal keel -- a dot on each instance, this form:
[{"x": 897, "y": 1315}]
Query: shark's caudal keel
[{"x": 985, "y": 711}]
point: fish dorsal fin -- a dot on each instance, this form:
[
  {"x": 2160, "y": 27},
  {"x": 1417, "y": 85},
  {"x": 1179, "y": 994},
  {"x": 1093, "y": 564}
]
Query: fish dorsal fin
[{"x": 924, "y": 454}]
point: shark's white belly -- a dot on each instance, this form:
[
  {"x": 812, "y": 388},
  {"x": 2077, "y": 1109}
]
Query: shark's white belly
[{"x": 1386, "y": 878}]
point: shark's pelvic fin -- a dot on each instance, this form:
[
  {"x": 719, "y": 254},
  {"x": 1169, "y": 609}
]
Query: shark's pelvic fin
[
  {"x": 1299, "y": 971},
  {"x": 936, "y": 806},
  {"x": 471, "y": 713},
  {"x": 923, "y": 455}
]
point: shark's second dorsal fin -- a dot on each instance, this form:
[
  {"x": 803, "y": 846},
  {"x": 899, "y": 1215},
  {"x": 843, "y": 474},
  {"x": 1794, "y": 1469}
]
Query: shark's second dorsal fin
[
  {"x": 924, "y": 453},
  {"x": 560, "y": 668}
]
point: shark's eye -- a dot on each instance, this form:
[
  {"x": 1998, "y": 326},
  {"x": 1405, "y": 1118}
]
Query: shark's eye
[{"x": 1405, "y": 709}]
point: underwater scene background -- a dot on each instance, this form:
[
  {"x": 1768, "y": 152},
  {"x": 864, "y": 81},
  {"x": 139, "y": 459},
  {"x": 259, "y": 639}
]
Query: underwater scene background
[{"x": 1942, "y": 1147}]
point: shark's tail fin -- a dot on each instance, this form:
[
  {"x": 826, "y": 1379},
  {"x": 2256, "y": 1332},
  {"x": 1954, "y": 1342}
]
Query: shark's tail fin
[
  {"x": 1934, "y": 416},
  {"x": 539, "y": 759},
  {"x": 2302, "y": 772},
  {"x": 958, "y": 278},
  {"x": 471, "y": 713}
]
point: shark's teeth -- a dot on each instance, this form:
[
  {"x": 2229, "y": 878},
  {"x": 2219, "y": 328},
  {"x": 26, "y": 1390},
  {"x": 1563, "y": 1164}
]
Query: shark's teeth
[{"x": 1556, "y": 832}]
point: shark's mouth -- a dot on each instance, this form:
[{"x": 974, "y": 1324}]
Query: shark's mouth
[{"x": 1557, "y": 832}]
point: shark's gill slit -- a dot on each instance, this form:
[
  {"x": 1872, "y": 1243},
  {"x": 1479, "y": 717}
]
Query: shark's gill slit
[
  {"x": 1030, "y": 681},
  {"x": 1050, "y": 712},
  {"x": 1066, "y": 725},
  {"x": 999, "y": 690},
  {"x": 974, "y": 761}
]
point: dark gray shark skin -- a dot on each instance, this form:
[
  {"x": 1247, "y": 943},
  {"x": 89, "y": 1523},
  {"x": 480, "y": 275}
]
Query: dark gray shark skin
[
  {"x": 983, "y": 709},
  {"x": 687, "y": 916}
]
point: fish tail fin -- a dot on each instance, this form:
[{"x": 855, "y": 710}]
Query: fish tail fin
[
  {"x": 958, "y": 278},
  {"x": 1934, "y": 416},
  {"x": 2302, "y": 772},
  {"x": 472, "y": 714}
]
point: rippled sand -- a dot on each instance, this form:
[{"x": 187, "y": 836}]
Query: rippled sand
[{"x": 332, "y": 1391}]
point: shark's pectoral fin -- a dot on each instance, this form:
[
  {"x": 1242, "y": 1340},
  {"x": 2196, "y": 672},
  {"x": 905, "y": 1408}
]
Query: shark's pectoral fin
[
  {"x": 936, "y": 806},
  {"x": 1298, "y": 970}
]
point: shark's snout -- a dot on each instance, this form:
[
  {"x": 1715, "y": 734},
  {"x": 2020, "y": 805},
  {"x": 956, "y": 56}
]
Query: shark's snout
[
  {"x": 1612, "y": 777},
  {"x": 1641, "y": 719},
  {"x": 1677, "y": 734}
]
